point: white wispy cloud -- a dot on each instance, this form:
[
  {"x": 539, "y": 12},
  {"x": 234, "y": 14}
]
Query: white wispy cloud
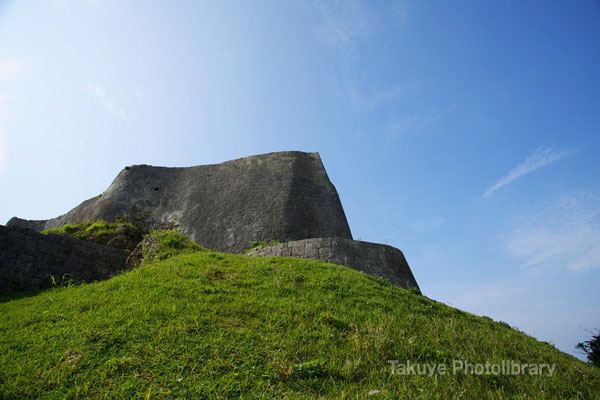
[
  {"x": 415, "y": 123},
  {"x": 96, "y": 90},
  {"x": 344, "y": 28},
  {"x": 541, "y": 157},
  {"x": 427, "y": 225},
  {"x": 117, "y": 101},
  {"x": 118, "y": 91},
  {"x": 347, "y": 23},
  {"x": 344, "y": 25},
  {"x": 563, "y": 235},
  {"x": 365, "y": 101},
  {"x": 10, "y": 68},
  {"x": 399, "y": 12},
  {"x": 137, "y": 90}
]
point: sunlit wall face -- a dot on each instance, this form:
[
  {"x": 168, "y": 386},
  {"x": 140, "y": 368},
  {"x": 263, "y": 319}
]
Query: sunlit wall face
[{"x": 464, "y": 134}]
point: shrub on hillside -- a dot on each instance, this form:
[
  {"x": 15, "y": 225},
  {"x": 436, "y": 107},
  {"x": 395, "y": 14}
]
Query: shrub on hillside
[
  {"x": 160, "y": 245},
  {"x": 592, "y": 349}
]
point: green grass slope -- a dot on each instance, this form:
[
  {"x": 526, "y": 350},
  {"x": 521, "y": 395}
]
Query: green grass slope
[{"x": 205, "y": 325}]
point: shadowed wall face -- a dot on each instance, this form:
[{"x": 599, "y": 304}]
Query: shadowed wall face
[
  {"x": 29, "y": 260},
  {"x": 277, "y": 196}
]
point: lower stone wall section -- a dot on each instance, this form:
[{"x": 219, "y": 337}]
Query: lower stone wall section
[
  {"x": 28, "y": 259},
  {"x": 375, "y": 259}
]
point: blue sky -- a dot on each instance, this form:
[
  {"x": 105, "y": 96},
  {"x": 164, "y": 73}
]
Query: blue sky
[{"x": 465, "y": 133}]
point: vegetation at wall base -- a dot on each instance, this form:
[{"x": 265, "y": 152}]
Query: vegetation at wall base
[
  {"x": 122, "y": 234},
  {"x": 261, "y": 243},
  {"x": 206, "y": 325}
]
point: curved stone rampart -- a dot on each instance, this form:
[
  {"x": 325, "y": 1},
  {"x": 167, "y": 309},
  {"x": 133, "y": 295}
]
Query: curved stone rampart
[
  {"x": 375, "y": 259},
  {"x": 29, "y": 260}
]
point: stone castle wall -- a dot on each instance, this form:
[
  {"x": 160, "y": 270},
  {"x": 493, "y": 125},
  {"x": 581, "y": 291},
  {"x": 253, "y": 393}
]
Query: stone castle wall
[
  {"x": 285, "y": 196},
  {"x": 28, "y": 259},
  {"x": 374, "y": 259},
  {"x": 277, "y": 196}
]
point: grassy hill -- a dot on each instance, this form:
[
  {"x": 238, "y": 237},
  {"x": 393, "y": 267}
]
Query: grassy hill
[{"x": 204, "y": 325}]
